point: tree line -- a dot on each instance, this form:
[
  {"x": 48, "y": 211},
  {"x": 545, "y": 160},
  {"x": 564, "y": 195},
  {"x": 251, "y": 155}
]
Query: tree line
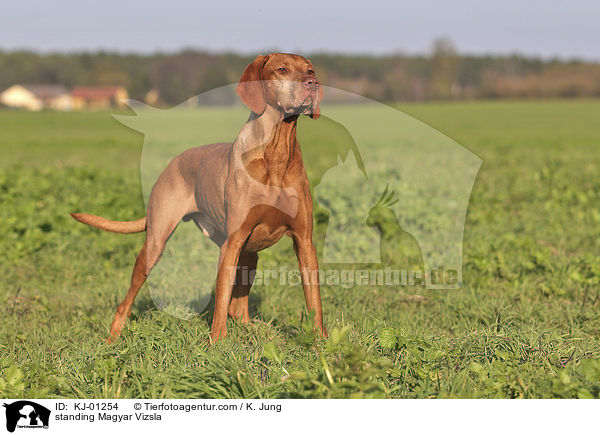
[{"x": 441, "y": 74}]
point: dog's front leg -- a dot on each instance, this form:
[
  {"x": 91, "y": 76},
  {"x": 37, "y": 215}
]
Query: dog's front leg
[
  {"x": 309, "y": 271},
  {"x": 228, "y": 260}
]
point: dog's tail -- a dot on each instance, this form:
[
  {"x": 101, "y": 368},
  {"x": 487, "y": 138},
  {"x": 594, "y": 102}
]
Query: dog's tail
[{"x": 123, "y": 227}]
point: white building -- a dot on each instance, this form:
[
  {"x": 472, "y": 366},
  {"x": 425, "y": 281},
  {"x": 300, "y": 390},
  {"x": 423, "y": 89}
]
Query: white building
[{"x": 37, "y": 97}]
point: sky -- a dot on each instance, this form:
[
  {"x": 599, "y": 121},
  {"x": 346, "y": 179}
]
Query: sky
[{"x": 530, "y": 27}]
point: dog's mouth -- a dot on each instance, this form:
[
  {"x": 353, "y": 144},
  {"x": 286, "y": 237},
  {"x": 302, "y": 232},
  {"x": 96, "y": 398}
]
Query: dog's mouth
[
  {"x": 309, "y": 105},
  {"x": 306, "y": 103},
  {"x": 304, "y": 107}
]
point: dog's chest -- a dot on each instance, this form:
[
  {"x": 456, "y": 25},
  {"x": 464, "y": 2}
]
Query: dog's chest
[
  {"x": 264, "y": 236},
  {"x": 270, "y": 210}
]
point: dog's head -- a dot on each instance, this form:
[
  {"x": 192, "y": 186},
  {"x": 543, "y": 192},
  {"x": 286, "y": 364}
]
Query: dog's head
[{"x": 286, "y": 82}]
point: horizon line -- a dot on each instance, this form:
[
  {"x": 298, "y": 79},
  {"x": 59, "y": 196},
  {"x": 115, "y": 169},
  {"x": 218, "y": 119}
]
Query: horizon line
[{"x": 325, "y": 52}]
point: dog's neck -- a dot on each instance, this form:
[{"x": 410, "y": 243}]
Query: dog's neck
[
  {"x": 278, "y": 147},
  {"x": 268, "y": 126}
]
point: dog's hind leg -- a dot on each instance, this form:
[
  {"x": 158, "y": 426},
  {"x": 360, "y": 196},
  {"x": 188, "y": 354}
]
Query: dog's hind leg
[
  {"x": 238, "y": 307},
  {"x": 137, "y": 280},
  {"x": 149, "y": 256},
  {"x": 166, "y": 208}
]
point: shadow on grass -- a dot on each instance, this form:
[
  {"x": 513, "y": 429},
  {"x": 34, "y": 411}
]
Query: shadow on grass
[{"x": 145, "y": 304}]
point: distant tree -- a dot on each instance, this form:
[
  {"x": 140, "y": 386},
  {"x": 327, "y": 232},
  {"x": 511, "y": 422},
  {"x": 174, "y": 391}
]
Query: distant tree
[
  {"x": 445, "y": 64},
  {"x": 442, "y": 74}
]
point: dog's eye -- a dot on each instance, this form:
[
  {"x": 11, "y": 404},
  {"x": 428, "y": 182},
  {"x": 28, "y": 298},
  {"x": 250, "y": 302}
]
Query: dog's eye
[
  {"x": 282, "y": 70},
  {"x": 311, "y": 72}
]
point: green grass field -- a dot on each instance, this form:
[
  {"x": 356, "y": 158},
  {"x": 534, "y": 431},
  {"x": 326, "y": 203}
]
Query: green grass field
[{"x": 525, "y": 324}]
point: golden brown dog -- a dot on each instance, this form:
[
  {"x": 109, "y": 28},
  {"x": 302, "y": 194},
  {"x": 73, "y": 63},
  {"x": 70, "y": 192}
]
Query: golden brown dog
[{"x": 244, "y": 195}]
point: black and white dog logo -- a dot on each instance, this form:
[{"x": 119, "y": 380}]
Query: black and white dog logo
[{"x": 26, "y": 414}]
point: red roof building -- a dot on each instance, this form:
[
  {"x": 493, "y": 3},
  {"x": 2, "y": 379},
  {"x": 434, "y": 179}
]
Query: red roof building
[{"x": 99, "y": 97}]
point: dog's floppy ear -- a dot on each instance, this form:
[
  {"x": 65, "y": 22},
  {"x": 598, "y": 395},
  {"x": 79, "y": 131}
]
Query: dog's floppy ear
[{"x": 250, "y": 88}]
